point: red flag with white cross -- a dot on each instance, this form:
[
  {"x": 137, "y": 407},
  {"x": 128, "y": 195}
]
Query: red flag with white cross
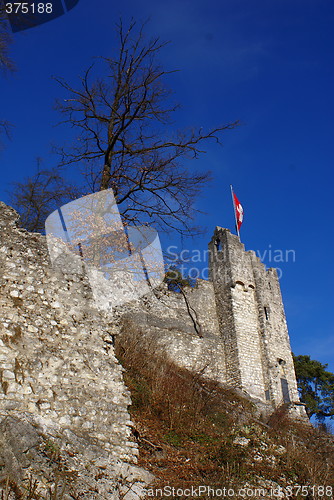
[{"x": 239, "y": 212}]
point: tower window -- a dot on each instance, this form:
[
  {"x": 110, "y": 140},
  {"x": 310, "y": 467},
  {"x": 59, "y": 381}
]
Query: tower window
[
  {"x": 285, "y": 390},
  {"x": 218, "y": 245},
  {"x": 266, "y": 313}
]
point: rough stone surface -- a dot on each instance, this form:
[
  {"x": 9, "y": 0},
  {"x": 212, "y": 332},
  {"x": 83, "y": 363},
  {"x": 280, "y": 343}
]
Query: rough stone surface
[
  {"x": 60, "y": 383},
  {"x": 231, "y": 329},
  {"x": 58, "y": 371},
  {"x": 165, "y": 319},
  {"x": 252, "y": 323}
]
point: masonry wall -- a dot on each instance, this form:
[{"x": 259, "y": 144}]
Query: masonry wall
[
  {"x": 187, "y": 333},
  {"x": 233, "y": 279},
  {"x": 57, "y": 365},
  {"x": 60, "y": 380},
  {"x": 279, "y": 367},
  {"x": 252, "y": 321},
  {"x": 231, "y": 328}
]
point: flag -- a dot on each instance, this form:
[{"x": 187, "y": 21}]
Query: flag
[{"x": 239, "y": 211}]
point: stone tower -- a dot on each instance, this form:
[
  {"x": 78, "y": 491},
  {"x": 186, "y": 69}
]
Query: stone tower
[{"x": 252, "y": 322}]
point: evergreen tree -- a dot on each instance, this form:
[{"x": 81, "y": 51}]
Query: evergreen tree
[{"x": 316, "y": 387}]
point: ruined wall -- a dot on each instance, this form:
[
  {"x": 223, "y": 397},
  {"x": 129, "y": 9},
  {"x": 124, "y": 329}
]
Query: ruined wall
[
  {"x": 57, "y": 366},
  {"x": 57, "y": 363},
  {"x": 234, "y": 284},
  {"x": 186, "y": 329},
  {"x": 278, "y": 368},
  {"x": 252, "y": 321}
]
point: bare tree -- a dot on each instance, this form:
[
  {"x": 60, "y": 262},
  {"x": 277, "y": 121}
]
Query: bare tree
[
  {"x": 5, "y": 129},
  {"x": 38, "y": 195},
  {"x": 123, "y": 119}
]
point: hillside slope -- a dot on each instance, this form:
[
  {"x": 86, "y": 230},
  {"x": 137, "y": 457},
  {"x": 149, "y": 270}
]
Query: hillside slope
[{"x": 193, "y": 432}]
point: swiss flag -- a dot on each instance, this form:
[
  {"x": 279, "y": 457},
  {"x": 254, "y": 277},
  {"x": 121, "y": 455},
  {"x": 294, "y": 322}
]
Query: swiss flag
[{"x": 239, "y": 211}]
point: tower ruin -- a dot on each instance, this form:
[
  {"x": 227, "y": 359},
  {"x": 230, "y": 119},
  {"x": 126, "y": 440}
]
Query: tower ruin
[{"x": 252, "y": 321}]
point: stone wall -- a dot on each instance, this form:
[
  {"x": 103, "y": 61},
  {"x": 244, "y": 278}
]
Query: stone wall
[
  {"x": 252, "y": 322},
  {"x": 237, "y": 309},
  {"x": 184, "y": 328},
  {"x": 276, "y": 349},
  {"x": 58, "y": 371}
]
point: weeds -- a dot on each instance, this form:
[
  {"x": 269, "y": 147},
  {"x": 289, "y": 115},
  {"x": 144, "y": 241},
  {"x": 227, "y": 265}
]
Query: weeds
[
  {"x": 30, "y": 491},
  {"x": 195, "y": 421}
]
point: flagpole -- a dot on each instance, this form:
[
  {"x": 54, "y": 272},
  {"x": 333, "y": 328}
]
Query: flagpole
[{"x": 235, "y": 213}]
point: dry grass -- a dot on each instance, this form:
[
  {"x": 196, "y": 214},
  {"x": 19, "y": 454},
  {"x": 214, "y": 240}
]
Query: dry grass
[
  {"x": 30, "y": 491},
  {"x": 187, "y": 426}
]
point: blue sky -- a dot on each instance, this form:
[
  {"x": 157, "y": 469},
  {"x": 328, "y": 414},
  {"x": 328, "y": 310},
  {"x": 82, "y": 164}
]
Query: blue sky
[{"x": 268, "y": 64}]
